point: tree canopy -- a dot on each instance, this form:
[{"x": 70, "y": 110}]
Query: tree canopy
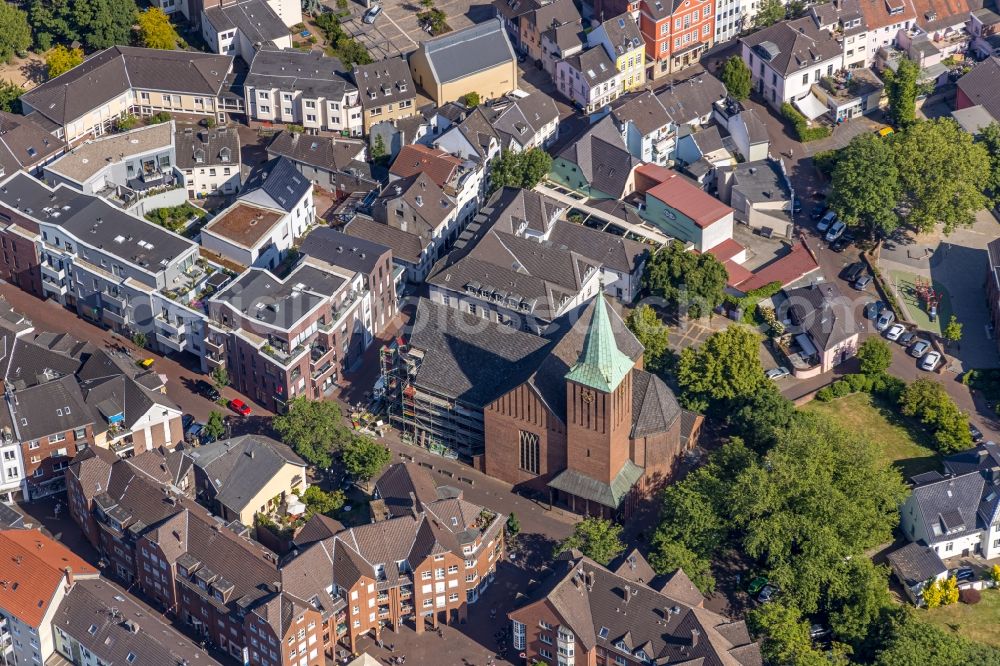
[
  {"x": 693, "y": 282},
  {"x": 761, "y": 416},
  {"x": 653, "y": 334},
  {"x": 901, "y": 89},
  {"x": 875, "y": 356},
  {"x": 156, "y": 31},
  {"x": 908, "y": 641},
  {"x": 62, "y": 59},
  {"x": 97, "y": 23},
  {"x": 364, "y": 458},
  {"x": 769, "y": 13},
  {"x": 942, "y": 173},
  {"x": 927, "y": 401},
  {"x": 15, "y": 33},
  {"x": 313, "y": 429},
  {"x": 598, "y": 539},
  {"x": 723, "y": 371},
  {"x": 736, "y": 78},
  {"x": 866, "y": 186},
  {"x": 989, "y": 137},
  {"x": 318, "y": 500},
  {"x": 523, "y": 169},
  {"x": 10, "y": 94},
  {"x": 215, "y": 426}
]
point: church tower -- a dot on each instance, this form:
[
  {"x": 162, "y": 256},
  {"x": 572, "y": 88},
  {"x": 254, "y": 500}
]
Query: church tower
[{"x": 599, "y": 402}]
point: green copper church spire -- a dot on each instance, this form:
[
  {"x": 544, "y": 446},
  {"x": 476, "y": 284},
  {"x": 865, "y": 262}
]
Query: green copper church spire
[{"x": 601, "y": 366}]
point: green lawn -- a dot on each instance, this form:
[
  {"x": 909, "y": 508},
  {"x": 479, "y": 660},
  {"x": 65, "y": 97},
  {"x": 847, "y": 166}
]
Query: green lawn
[
  {"x": 978, "y": 623},
  {"x": 900, "y": 441},
  {"x": 906, "y": 285}
]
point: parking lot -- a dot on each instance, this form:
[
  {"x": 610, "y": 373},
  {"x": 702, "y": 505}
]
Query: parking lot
[{"x": 396, "y": 30}]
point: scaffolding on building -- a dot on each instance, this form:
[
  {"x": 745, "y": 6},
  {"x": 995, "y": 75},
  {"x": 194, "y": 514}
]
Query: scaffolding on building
[{"x": 424, "y": 418}]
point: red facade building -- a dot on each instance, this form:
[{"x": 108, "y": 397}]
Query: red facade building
[{"x": 677, "y": 33}]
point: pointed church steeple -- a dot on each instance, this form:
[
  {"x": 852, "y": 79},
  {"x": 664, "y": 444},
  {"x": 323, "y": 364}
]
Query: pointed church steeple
[{"x": 602, "y": 365}]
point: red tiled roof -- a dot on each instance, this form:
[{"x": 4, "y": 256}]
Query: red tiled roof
[
  {"x": 416, "y": 158},
  {"x": 789, "y": 268},
  {"x": 726, "y": 250},
  {"x": 876, "y": 13},
  {"x": 677, "y": 192},
  {"x": 737, "y": 274},
  {"x": 32, "y": 567}
]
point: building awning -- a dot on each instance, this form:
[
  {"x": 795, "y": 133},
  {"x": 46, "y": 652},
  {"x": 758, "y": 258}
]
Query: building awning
[
  {"x": 810, "y": 106},
  {"x": 582, "y": 486},
  {"x": 807, "y": 345}
]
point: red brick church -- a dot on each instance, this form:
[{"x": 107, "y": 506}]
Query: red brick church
[{"x": 589, "y": 426}]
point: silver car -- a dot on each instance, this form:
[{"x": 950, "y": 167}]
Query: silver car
[{"x": 885, "y": 320}]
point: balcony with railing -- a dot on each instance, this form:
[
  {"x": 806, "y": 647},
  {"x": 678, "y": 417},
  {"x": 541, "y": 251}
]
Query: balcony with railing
[
  {"x": 54, "y": 286},
  {"x": 171, "y": 326},
  {"x": 54, "y": 272},
  {"x": 117, "y": 300}
]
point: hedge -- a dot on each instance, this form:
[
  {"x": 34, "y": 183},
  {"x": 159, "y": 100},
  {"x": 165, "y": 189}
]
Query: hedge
[
  {"x": 801, "y": 124},
  {"x": 883, "y": 385}
]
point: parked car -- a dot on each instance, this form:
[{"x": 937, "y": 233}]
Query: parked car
[
  {"x": 826, "y": 221},
  {"x": 193, "y": 431},
  {"x": 777, "y": 373},
  {"x": 930, "y": 361},
  {"x": 873, "y": 309},
  {"x": 894, "y": 331},
  {"x": 919, "y": 348},
  {"x": 885, "y": 320},
  {"x": 836, "y": 231},
  {"x": 840, "y": 244},
  {"x": 239, "y": 407},
  {"x": 767, "y": 594},
  {"x": 186, "y": 421},
  {"x": 817, "y": 212},
  {"x": 963, "y": 574},
  {"x": 146, "y": 363},
  {"x": 372, "y": 14},
  {"x": 862, "y": 282},
  {"x": 756, "y": 585},
  {"x": 818, "y": 632},
  {"x": 906, "y": 338},
  {"x": 977, "y": 434},
  {"x": 207, "y": 390},
  {"x": 854, "y": 271}
]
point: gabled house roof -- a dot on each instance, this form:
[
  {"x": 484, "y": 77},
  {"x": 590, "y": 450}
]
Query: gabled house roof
[
  {"x": 276, "y": 184},
  {"x": 602, "y": 158},
  {"x": 384, "y": 82},
  {"x": 417, "y": 158},
  {"x": 198, "y": 147},
  {"x": 643, "y": 110},
  {"x": 427, "y": 202},
  {"x": 312, "y": 73},
  {"x": 692, "y": 98},
  {"x": 24, "y": 144},
  {"x": 326, "y": 153},
  {"x": 790, "y": 46},
  {"x": 822, "y": 312},
  {"x": 883, "y": 13},
  {"x": 980, "y": 86},
  {"x": 521, "y": 119},
  {"x": 948, "y": 508},
  {"x": 916, "y": 563},
  {"x": 46, "y": 409},
  {"x": 680, "y": 194},
  {"x": 255, "y": 19},
  {"x": 462, "y": 53}
]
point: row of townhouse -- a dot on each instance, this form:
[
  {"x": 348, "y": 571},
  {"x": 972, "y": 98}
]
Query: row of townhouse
[{"x": 427, "y": 560}]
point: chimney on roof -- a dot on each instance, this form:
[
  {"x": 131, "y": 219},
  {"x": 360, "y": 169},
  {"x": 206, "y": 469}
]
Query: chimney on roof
[
  {"x": 628, "y": 594},
  {"x": 69, "y": 576},
  {"x": 590, "y": 581},
  {"x": 695, "y": 635}
]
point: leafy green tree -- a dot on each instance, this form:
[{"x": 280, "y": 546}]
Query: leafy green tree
[
  {"x": 670, "y": 556},
  {"x": 927, "y": 401},
  {"x": 471, "y": 100},
  {"x": 761, "y": 416},
  {"x": 125, "y": 123},
  {"x": 786, "y": 640},
  {"x": 769, "y": 13},
  {"x": 215, "y": 426},
  {"x": 313, "y": 429},
  {"x": 513, "y": 525},
  {"x": 97, "y": 23},
  {"x": 856, "y": 600},
  {"x": 139, "y": 339},
  {"x": 953, "y": 331},
  {"x": 62, "y": 59},
  {"x": 942, "y": 172},
  {"x": 688, "y": 280},
  {"x": 364, "y": 458},
  {"x": 875, "y": 356},
  {"x": 598, "y": 539},
  {"x": 866, "y": 186},
  {"x": 427, "y": 4},
  {"x": 220, "y": 377},
  {"x": 156, "y": 31},
  {"x": 292, "y": 128},
  {"x": 905, "y": 640},
  {"x": 653, "y": 334},
  {"x": 804, "y": 510},
  {"x": 989, "y": 137},
  {"x": 319, "y": 501},
  {"x": 723, "y": 371},
  {"x": 15, "y": 33},
  {"x": 10, "y": 94},
  {"x": 523, "y": 169},
  {"x": 736, "y": 78},
  {"x": 378, "y": 149},
  {"x": 901, "y": 89}
]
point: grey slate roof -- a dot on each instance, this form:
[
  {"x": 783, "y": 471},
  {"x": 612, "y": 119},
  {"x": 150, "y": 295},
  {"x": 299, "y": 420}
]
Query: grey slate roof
[
  {"x": 822, "y": 312},
  {"x": 691, "y": 98},
  {"x": 642, "y": 109},
  {"x": 254, "y": 18},
  {"x": 339, "y": 249},
  {"x": 240, "y": 467},
  {"x": 276, "y": 184},
  {"x": 405, "y": 246},
  {"x": 602, "y": 158},
  {"x": 799, "y": 44},
  {"x": 470, "y": 359},
  {"x": 120, "y": 394},
  {"x": 311, "y": 73},
  {"x": 948, "y": 508},
  {"x": 427, "y": 204},
  {"x": 610, "y": 495},
  {"x": 326, "y": 153},
  {"x": 594, "y": 604},
  {"x": 46, "y": 409},
  {"x": 10, "y": 519},
  {"x": 623, "y": 33},
  {"x": 86, "y": 614},
  {"x": 654, "y": 407},
  {"x": 24, "y": 144},
  {"x": 109, "y": 73},
  {"x": 465, "y": 52},
  {"x": 218, "y": 146},
  {"x": 981, "y": 458},
  {"x": 980, "y": 86},
  {"x": 916, "y": 563},
  {"x": 31, "y": 363},
  {"x": 407, "y": 489},
  {"x": 389, "y": 79},
  {"x": 523, "y": 118},
  {"x": 594, "y": 64}
]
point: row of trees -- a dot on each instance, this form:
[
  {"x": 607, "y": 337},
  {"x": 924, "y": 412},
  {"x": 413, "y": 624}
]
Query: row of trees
[{"x": 692, "y": 282}]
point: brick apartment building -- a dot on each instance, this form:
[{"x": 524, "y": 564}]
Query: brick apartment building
[
  {"x": 587, "y": 614},
  {"x": 677, "y": 33},
  {"x": 283, "y": 338},
  {"x": 423, "y": 564}
]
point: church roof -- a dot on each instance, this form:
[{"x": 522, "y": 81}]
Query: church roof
[{"x": 602, "y": 365}]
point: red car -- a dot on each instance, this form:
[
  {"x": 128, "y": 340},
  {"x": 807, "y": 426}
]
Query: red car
[{"x": 239, "y": 407}]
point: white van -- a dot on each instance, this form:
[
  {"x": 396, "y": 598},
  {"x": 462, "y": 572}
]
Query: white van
[{"x": 372, "y": 14}]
